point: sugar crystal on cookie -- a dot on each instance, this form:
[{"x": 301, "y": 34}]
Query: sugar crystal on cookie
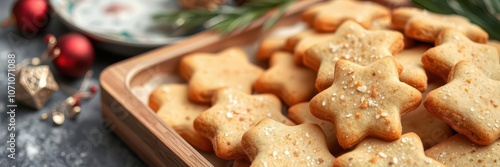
[
  {"x": 470, "y": 107},
  {"x": 452, "y": 46},
  {"x": 375, "y": 114},
  {"x": 281, "y": 145},
  {"x": 171, "y": 103},
  {"x": 407, "y": 151},
  {"x": 291, "y": 82},
  {"x": 351, "y": 42},
  {"x": 459, "y": 151},
  {"x": 327, "y": 16},
  {"x": 424, "y": 26},
  {"x": 234, "y": 112},
  {"x": 204, "y": 71}
]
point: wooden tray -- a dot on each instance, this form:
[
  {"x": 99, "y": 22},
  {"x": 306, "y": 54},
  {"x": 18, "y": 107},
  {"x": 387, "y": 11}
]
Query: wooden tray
[{"x": 125, "y": 88}]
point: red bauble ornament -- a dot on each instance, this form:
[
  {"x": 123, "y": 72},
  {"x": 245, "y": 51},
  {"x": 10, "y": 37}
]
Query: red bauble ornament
[
  {"x": 93, "y": 89},
  {"x": 30, "y": 16},
  {"x": 75, "y": 55}
]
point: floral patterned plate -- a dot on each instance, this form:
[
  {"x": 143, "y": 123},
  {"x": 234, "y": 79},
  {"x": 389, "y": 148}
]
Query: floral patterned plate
[{"x": 122, "y": 26}]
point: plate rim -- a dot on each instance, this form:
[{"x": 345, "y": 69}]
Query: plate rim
[{"x": 100, "y": 37}]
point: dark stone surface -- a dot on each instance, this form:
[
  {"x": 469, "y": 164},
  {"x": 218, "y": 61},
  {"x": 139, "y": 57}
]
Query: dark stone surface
[{"x": 81, "y": 142}]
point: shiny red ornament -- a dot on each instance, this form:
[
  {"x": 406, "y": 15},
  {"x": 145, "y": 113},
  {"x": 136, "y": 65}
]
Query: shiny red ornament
[
  {"x": 74, "y": 55},
  {"x": 30, "y": 16},
  {"x": 93, "y": 89}
]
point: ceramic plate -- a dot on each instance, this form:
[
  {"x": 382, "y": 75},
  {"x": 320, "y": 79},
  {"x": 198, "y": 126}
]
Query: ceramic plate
[{"x": 123, "y": 26}]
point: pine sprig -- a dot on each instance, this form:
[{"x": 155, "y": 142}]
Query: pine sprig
[
  {"x": 485, "y": 13},
  {"x": 226, "y": 18}
]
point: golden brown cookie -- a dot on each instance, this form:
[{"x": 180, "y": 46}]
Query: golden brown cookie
[
  {"x": 171, "y": 104},
  {"x": 300, "y": 42},
  {"x": 452, "y": 47},
  {"x": 234, "y": 112},
  {"x": 327, "y": 16},
  {"x": 269, "y": 46},
  {"x": 459, "y": 151},
  {"x": 407, "y": 151},
  {"x": 495, "y": 44},
  {"x": 308, "y": 42},
  {"x": 430, "y": 129},
  {"x": 385, "y": 24},
  {"x": 293, "y": 40},
  {"x": 413, "y": 71},
  {"x": 365, "y": 101},
  {"x": 291, "y": 82},
  {"x": 301, "y": 114},
  {"x": 271, "y": 143},
  {"x": 400, "y": 16},
  {"x": 354, "y": 43},
  {"x": 469, "y": 102},
  {"x": 204, "y": 72},
  {"x": 425, "y": 26}
]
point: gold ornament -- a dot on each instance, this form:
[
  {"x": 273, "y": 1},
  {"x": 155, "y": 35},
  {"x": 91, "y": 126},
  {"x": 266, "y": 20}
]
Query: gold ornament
[
  {"x": 35, "y": 86},
  {"x": 44, "y": 116},
  {"x": 58, "y": 117},
  {"x": 71, "y": 106}
]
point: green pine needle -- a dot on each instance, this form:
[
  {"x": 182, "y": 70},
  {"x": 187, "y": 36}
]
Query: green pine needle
[
  {"x": 226, "y": 18},
  {"x": 485, "y": 13}
]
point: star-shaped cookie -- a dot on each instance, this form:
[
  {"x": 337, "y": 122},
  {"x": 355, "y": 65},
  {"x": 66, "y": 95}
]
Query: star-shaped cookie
[
  {"x": 495, "y": 44},
  {"x": 300, "y": 113},
  {"x": 327, "y": 16},
  {"x": 469, "y": 102},
  {"x": 460, "y": 151},
  {"x": 308, "y": 42},
  {"x": 293, "y": 40},
  {"x": 172, "y": 106},
  {"x": 385, "y": 24},
  {"x": 430, "y": 129},
  {"x": 413, "y": 70},
  {"x": 271, "y": 143},
  {"x": 268, "y": 46},
  {"x": 354, "y": 43},
  {"x": 407, "y": 151},
  {"x": 234, "y": 112},
  {"x": 452, "y": 47},
  {"x": 425, "y": 26},
  {"x": 366, "y": 101},
  {"x": 300, "y": 42},
  {"x": 205, "y": 70},
  {"x": 291, "y": 82}
]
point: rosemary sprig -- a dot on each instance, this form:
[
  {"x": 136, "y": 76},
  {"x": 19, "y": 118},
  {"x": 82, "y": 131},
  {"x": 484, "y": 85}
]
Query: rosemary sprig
[
  {"x": 226, "y": 18},
  {"x": 485, "y": 13}
]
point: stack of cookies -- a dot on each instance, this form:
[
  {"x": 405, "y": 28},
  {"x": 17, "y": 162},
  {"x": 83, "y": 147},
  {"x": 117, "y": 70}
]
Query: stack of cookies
[{"x": 363, "y": 85}]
